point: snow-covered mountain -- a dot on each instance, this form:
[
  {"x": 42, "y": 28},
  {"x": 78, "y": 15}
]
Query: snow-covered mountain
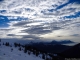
[
  {"x": 6, "y": 54},
  {"x": 12, "y": 53}
]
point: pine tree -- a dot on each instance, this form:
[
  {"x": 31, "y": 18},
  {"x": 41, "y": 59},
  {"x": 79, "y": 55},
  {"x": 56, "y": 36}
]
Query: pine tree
[
  {"x": 20, "y": 49},
  {"x": 0, "y": 40},
  {"x": 43, "y": 56},
  {"x": 15, "y": 44},
  {"x": 37, "y": 53},
  {"x": 25, "y": 49},
  {"x": 34, "y": 52},
  {"x": 47, "y": 59},
  {"x": 3, "y": 43},
  {"x": 29, "y": 52},
  {"x": 7, "y": 44},
  {"x": 19, "y": 44}
]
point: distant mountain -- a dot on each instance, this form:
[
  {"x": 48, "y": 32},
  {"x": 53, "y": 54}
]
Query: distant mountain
[
  {"x": 54, "y": 42},
  {"x": 21, "y": 41},
  {"x": 61, "y": 42},
  {"x": 57, "y": 48},
  {"x": 53, "y": 46}
]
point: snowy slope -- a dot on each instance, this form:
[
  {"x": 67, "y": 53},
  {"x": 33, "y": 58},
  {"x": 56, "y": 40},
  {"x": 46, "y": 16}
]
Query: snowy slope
[{"x": 15, "y": 54}]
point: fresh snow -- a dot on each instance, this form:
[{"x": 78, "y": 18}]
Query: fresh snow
[{"x": 6, "y": 54}]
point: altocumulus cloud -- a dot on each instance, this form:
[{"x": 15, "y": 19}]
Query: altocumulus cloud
[{"x": 41, "y": 19}]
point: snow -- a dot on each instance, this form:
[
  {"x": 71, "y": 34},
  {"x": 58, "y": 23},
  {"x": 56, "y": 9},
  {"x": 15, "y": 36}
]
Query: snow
[{"x": 7, "y": 54}]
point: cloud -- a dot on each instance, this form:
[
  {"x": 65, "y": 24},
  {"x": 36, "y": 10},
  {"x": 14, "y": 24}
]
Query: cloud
[
  {"x": 31, "y": 37},
  {"x": 21, "y": 23},
  {"x": 30, "y": 8},
  {"x": 36, "y": 27},
  {"x": 10, "y": 35},
  {"x": 37, "y": 30},
  {"x": 22, "y": 28},
  {"x": 77, "y": 35},
  {"x": 24, "y": 36},
  {"x": 51, "y": 19}
]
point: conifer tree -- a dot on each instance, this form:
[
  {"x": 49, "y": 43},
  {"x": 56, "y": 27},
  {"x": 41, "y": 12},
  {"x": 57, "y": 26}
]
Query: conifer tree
[
  {"x": 0, "y": 40},
  {"x": 20, "y": 49},
  {"x": 43, "y": 56}
]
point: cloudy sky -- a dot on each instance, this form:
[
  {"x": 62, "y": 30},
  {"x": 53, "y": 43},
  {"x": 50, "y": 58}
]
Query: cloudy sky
[{"x": 40, "y": 19}]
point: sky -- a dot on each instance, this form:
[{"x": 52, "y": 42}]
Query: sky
[{"x": 45, "y": 20}]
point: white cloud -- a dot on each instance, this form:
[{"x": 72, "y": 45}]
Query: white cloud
[
  {"x": 35, "y": 6},
  {"x": 49, "y": 25},
  {"x": 70, "y": 9}
]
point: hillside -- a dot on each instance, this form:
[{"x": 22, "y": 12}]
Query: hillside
[{"x": 12, "y": 53}]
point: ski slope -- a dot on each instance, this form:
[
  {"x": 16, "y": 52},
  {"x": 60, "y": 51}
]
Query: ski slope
[{"x": 7, "y": 54}]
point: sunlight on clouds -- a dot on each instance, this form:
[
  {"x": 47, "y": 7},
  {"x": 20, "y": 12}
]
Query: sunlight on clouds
[
  {"x": 55, "y": 34},
  {"x": 42, "y": 5},
  {"x": 41, "y": 19}
]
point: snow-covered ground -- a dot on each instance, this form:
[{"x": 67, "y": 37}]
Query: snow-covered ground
[{"x": 15, "y": 54}]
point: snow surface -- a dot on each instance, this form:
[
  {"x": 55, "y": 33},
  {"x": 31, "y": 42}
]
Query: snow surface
[{"x": 7, "y": 54}]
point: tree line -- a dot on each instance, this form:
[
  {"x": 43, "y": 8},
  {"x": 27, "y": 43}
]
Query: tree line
[{"x": 32, "y": 50}]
